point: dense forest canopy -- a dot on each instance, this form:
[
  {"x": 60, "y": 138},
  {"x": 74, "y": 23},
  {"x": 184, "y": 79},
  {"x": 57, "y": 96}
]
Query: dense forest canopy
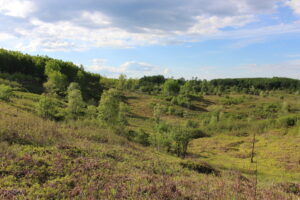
[{"x": 31, "y": 72}]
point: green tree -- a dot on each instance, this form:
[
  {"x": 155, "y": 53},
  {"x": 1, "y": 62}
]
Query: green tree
[
  {"x": 75, "y": 103},
  {"x": 109, "y": 107},
  {"x": 122, "y": 82},
  {"x": 182, "y": 137},
  {"x": 157, "y": 112},
  {"x": 56, "y": 83},
  {"x": 171, "y": 87},
  {"x": 46, "y": 108},
  {"x": 52, "y": 66},
  {"x": 187, "y": 89}
]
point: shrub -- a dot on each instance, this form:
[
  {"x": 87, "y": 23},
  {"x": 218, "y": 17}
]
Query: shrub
[
  {"x": 232, "y": 101},
  {"x": 200, "y": 167},
  {"x": 91, "y": 111},
  {"x": 142, "y": 137},
  {"x": 48, "y": 108},
  {"x": 171, "y": 87},
  {"x": 288, "y": 121},
  {"x": 5, "y": 92}
]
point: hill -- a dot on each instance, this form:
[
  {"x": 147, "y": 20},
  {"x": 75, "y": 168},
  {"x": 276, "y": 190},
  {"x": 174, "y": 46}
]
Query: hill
[{"x": 68, "y": 134}]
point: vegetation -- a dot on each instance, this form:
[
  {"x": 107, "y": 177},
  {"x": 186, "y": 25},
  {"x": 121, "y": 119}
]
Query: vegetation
[{"x": 69, "y": 134}]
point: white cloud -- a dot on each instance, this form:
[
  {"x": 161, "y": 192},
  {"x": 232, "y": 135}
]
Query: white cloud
[
  {"x": 6, "y": 36},
  {"x": 211, "y": 25},
  {"x": 53, "y": 25},
  {"x": 131, "y": 69},
  {"x": 17, "y": 8},
  {"x": 286, "y": 69},
  {"x": 95, "y": 17},
  {"x": 295, "y": 5}
]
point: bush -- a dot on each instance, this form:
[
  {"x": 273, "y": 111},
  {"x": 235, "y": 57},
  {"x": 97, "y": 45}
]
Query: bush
[
  {"x": 48, "y": 108},
  {"x": 91, "y": 112},
  {"x": 288, "y": 121},
  {"x": 142, "y": 137},
  {"x": 232, "y": 101},
  {"x": 181, "y": 100},
  {"x": 5, "y": 92},
  {"x": 200, "y": 167}
]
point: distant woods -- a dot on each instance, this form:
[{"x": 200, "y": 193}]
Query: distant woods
[{"x": 40, "y": 74}]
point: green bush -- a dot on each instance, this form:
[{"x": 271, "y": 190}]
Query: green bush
[
  {"x": 48, "y": 108},
  {"x": 288, "y": 121},
  {"x": 5, "y": 92},
  {"x": 232, "y": 101},
  {"x": 142, "y": 137}
]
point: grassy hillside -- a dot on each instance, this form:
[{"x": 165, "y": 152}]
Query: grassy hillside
[
  {"x": 68, "y": 134},
  {"x": 230, "y": 143},
  {"x": 42, "y": 159}
]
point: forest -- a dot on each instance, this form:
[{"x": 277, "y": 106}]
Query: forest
[{"x": 66, "y": 133}]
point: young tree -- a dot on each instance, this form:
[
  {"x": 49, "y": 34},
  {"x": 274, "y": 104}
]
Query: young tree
[
  {"x": 75, "y": 102},
  {"x": 171, "y": 87},
  {"x": 157, "y": 112},
  {"x": 56, "y": 83},
  {"x": 122, "y": 82},
  {"x": 109, "y": 107},
  {"x": 182, "y": 137},
  {"x": 46, "y": 108},
  {"x": 187, "y": 88}
]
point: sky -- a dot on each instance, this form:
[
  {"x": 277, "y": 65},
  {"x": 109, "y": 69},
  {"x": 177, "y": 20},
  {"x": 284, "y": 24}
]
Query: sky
[{"x": 176, "y": 38}]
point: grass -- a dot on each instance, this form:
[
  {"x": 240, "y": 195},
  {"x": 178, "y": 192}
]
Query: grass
[
  {"x": 276, "y": 151},
  {"x": 42, "y": 159}
]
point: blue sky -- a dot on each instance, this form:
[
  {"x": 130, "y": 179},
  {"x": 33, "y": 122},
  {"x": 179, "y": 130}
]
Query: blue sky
[{"x": 177, "y": 38}]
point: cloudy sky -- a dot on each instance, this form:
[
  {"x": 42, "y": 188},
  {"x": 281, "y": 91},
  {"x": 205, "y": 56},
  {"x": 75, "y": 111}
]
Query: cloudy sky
[{"x": 179, "y": 38}]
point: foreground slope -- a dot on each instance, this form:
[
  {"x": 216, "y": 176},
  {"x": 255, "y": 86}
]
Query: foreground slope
[{"x": 42, "y": 159}]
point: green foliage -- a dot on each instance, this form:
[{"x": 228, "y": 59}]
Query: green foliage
[
  {"x": 91, "y": 112},
  {"x": 111, "y": 110},
  {"x": 267, "y": 110},
  {"x": 142, "y": 137},
  {"x": 231, "y": 100},
  {"x": 171, "y": 87},
  {"x": 48, "y": 108},
  {"x": 172, "y": 110},
  {"x": 5, "y": 92},
  {"x": 287, "y": 121},
  {"x": 122, "y": 82},
  {"x": 158, "y": 111},
  {"x": 181, "y": 100},
  {"x": 151, "y": 84},
  {"x": 56, "y": 84},
  {"x": 123, "y": 112},
  {"x": 32, "y": 71},
  {"x": 75, "y": 106},
  {"x": 182, "y": 137},
  {"x": 285, "y": 108}
]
